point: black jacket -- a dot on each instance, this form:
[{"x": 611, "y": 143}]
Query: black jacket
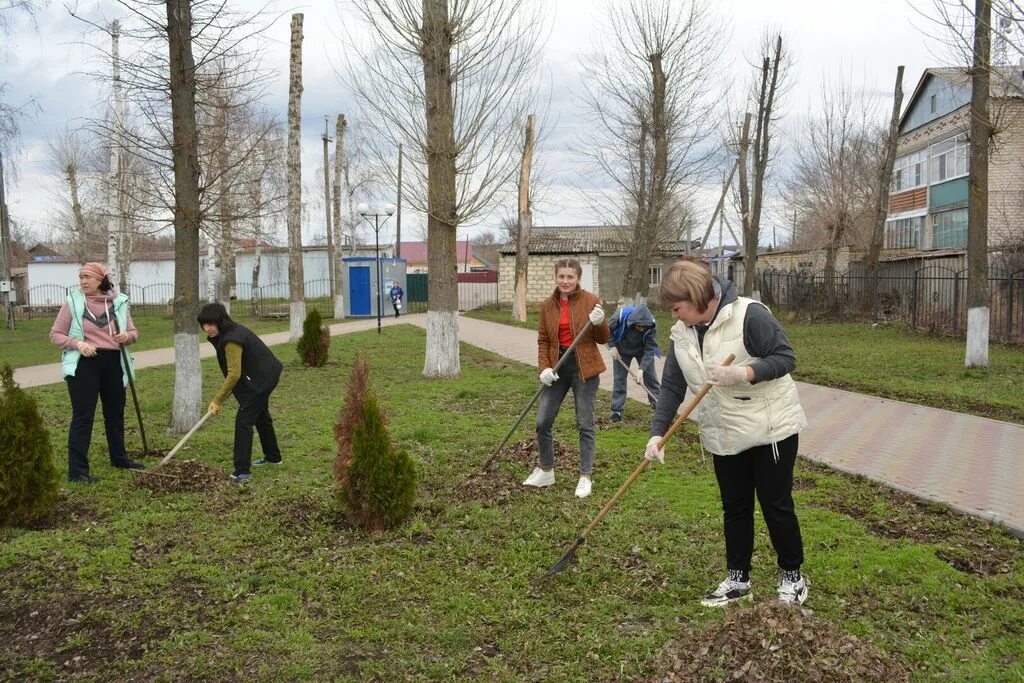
[{"x": 260, "y": 367}]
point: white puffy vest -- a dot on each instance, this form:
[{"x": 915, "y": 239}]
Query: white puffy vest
[{"x": 734, "y": 419}]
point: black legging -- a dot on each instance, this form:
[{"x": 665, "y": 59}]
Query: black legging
[
  {"x": 99, "y": 377},
  {"x": 753, "y": 471},
  {"x": 254, "y": 411}
]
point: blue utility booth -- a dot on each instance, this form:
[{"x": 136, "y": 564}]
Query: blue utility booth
[{"x": 363, "y": 293}]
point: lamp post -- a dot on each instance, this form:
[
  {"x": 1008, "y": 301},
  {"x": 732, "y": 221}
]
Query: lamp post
[{"x": 365, "y": 211}]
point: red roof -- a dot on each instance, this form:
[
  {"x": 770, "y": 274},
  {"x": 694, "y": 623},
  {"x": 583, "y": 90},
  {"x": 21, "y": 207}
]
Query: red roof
[{"x": 416, "y": 252}]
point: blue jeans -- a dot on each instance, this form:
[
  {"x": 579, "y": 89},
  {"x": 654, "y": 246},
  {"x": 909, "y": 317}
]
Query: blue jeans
[
  {"x": 622, "y": 376},
  {"x": 584, "y": 393}
]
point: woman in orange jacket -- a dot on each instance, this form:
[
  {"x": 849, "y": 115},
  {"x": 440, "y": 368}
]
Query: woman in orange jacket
[{"x": 562, "y": 316}]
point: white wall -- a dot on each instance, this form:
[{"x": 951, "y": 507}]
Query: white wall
[{"x": 47, "y": 282}]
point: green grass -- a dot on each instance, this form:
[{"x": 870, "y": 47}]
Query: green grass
[
  {"x": 264, "y": 583},
  {"x": 29, "y": 343},
  {"x": 887, "y": 361}
]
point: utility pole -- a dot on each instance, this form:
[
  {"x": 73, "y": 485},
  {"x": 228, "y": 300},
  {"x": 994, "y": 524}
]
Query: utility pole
[
  {"x": 398, "y": 217},
  {"x": 5, "y": 252},
  {"x": 327, "y": 215}
]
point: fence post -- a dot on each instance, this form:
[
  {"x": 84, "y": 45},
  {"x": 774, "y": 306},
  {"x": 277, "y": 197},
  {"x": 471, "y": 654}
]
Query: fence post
[
  {"x": 913, "y": 303},
  {"x": 956, "y": 303},
  {"x": 842, "y": 301},
  {"x": 1009, "y": 307},
  {"x": 874, "y": 295}
]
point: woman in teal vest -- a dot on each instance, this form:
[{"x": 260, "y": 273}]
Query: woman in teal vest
[
  {"x": 91, "y": 327},
  {"x": 750, "y": 420}
]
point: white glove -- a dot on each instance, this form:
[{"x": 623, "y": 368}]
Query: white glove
[
  {"x": 614, "y": 352},
  {"x": 637, "y": 377},
  {"x": 548, "y": 377},
  {"x": 597, "y": 315},
  {"x": 652, "y": 453},
  {"x": 727, "y": 375}
]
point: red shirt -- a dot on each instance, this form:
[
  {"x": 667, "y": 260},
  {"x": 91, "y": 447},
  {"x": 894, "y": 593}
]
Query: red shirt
[{"x": 565, "y": 335}]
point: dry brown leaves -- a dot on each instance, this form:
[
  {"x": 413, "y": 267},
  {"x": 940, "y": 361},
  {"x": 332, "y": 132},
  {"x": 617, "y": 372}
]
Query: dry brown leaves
[
  {"x": 180, "y": 476},
  {"x": 773, "y": 642}
]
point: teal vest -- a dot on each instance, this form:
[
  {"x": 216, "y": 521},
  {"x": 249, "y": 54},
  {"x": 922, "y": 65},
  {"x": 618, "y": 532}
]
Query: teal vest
[{"x": 76, "y": 304}]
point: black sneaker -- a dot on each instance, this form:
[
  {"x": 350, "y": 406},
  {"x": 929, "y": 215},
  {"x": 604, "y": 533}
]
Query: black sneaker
[
  {"x": 241, "y": 478},
  {"x": 616, "y": 417},
  {"x": 129, "y": 465},
  {"x": 83, "y": 479},
  {"x": 268, "y": 461},
  {"x": 728, "y": 591}
]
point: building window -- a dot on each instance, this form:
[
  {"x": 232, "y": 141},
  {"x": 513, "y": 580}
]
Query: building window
[
  {"x": 654, "y": 275},
  {"x": 949, "y": 229},
  {"x": 931, "y": 103},
  {"x": 910, "y": 171},
  {"x": 903, "y": 233},
  {"x": 949, "y": 159}
]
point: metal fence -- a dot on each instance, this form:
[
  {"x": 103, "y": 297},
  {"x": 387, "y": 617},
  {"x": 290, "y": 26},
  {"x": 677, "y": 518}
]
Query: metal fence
[
  {"x": 267, "y": 301},
  {"x": 933, "y": 299}
]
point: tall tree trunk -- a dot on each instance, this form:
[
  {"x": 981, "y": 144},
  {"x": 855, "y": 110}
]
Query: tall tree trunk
[
  {"x": 629, "y": 278},
  {"x": 76, "y": 205},
  {"x": 331, "y": 245},
  {"x": 977, "y": 200},
  {"x": 524, "y": 227},
  {"x": 885, "y": 176},
  {"x": 762, "y": 152},
  {"x": 227, "y": 232},
  {"x": 257, "y": 250},
  {"x": 188, "y": 379},
  {"x": 442, "y": 354},
  {"x": 296, "y": 283},
  {"x": 339, "y": 229},
  {"x": 746, "y": 224}
]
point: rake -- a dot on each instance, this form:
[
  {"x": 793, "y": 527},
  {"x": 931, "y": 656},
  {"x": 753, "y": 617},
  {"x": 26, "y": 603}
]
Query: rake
[
  {"x": 637, "y": 378},
  {"x": 570, "y": 554},
  {"x": 533, "y": 400}
]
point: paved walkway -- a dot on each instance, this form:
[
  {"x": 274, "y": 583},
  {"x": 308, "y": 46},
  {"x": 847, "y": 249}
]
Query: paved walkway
[{"x": 973, "y": 464}]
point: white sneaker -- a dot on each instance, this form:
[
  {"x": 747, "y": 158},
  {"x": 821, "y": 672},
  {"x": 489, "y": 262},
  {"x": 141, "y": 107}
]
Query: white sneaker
[
  {"x": 793, "y": 592},
  {"x": 540, "y": 478},
  {"x": 583, "y": 488}
]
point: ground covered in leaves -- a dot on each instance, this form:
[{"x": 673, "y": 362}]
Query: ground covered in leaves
[{"x": 184, "y": 577}]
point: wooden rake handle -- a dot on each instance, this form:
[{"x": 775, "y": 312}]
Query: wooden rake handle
[
  {"x": 645, "y": 462},
  {"x": 185, "y": 438}
]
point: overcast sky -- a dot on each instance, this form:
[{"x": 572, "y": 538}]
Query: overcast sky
[{"x": 862, "y": 41}]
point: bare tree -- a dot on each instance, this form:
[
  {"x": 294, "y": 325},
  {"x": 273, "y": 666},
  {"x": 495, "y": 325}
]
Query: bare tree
[
  {"x": 884, "y": 181},
  {"x": 458, "y": 73},
  {"x": 770, "y": 86},
  {"x": 836, "y": 169},
  {"x": 339, "y": 229},
  {"x": 524, "y": 225},
  {"x": 650, "y": 94},
  {"x": 73, "y": 160},
  {"x": 296, "y": 285}
]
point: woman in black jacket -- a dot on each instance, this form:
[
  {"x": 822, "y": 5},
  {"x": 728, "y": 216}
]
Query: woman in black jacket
[{"x": 251, "y": 372}]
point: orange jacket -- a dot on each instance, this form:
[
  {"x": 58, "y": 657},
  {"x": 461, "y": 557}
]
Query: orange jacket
[{"x": 588, "y": 357}]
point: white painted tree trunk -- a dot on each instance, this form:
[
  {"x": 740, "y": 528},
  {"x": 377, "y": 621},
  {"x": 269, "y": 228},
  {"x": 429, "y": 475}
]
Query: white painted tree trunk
[
  {"x": 442, "y": 356},
  {"x": 188, "y": 384},
  {"x": 296, "y": 278},
  {"x": 211, "y": 279},
  {"x": 340, "y": 190},
  {"x": 977, "y": 337},
  {"x": 296, "y": 316}
]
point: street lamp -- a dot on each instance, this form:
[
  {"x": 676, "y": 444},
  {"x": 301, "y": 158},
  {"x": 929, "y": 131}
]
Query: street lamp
[{"x": 365, "y": 211}]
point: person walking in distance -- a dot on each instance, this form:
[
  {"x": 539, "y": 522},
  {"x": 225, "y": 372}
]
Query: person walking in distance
[
  {"x": 562, "y": 316},
  {"x": 94, "y": 367},
  {"x": 251, "y": 373},
  {"x": 750, "y": 420},
  {"x": 396, "y": 294},
  {"x": 634, "y": 336}
]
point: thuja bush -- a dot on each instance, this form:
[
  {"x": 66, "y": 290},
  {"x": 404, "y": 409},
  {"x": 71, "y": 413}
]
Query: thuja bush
[
  {"x": 28, "y": 478},
  {"x": 315, "y": 342},
  {"x": 376, "y": 482}
]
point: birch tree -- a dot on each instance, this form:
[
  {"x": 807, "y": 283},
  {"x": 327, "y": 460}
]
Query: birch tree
[
  {"x": 296, "y": 284},
  {"x": 458, "y": 74},
  {"x": 339, "y": 228},
  {"x": 524, "y": 224}
]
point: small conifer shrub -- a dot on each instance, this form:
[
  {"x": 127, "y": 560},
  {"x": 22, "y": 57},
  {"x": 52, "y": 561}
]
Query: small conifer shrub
[
  {"x": 375, "y": 481},
  {"x": 29, "y": 482},
  {"x": 315, "y": 342}
]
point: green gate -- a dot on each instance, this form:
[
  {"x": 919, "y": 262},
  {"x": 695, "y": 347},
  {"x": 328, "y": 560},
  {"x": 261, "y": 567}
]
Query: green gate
[{"x": 416, "y": 294}]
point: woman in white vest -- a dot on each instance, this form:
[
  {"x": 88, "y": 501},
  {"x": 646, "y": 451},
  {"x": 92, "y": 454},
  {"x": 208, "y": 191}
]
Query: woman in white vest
[
  {"x": 91, "y": 326},
  {"x": 750, "y": 420}
]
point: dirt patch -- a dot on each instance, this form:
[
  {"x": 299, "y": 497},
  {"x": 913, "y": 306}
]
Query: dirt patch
[
  {"x": 492, "y": 488},
  {"x": 640, "y": 570},
  {"x": 803, "y": 483},
  {"x": 181, "y": 476},
  {"x": 773, "y": 642},
  {"x": 68, "y": 512}
]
